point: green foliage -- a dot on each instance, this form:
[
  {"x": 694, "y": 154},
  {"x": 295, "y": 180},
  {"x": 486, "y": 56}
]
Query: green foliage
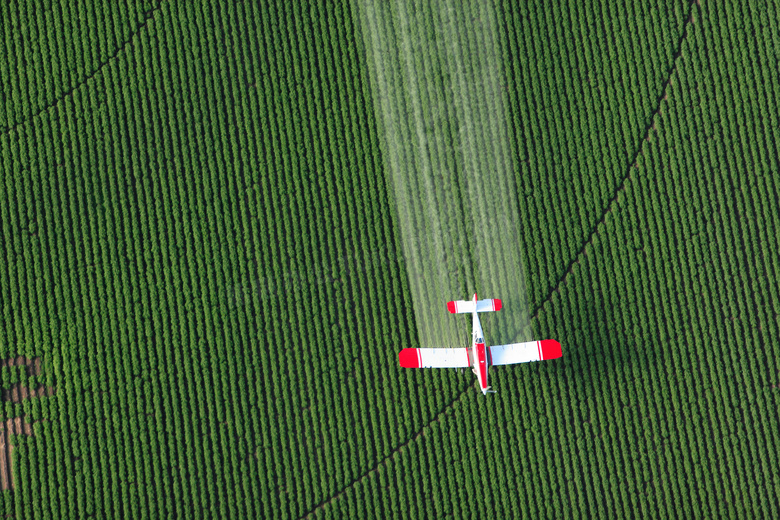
[{"x": 196, "y": 239}]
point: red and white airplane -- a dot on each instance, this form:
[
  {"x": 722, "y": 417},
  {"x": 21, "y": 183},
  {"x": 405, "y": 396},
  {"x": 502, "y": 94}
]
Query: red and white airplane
[{"x": 480, "y": 356}]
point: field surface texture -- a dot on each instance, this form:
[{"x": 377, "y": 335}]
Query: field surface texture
[{"x": 221, "y": 221}]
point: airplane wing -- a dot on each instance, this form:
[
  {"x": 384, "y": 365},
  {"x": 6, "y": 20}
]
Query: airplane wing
[
  {"x": 434, "y": 358},
  {"x": 525, "y": 352}
]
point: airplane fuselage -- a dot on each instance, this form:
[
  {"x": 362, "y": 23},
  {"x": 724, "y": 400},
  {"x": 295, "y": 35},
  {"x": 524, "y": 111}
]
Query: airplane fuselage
[{"x": 479, "y": 353}]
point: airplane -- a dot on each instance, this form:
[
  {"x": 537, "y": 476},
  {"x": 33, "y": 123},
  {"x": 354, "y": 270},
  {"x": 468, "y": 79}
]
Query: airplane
[{"x": 480, "y": 356}]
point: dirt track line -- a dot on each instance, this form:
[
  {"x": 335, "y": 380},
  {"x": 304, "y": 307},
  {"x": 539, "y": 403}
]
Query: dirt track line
[
  {"x": 52, "y": 104},
  {"x": 627, "y": 175},
  {"x": 390, "y": 455}
]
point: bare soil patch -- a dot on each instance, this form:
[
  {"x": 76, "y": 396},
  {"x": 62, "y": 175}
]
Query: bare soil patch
[
  {"x": 13, "y": 426},
  {"x": 18, "y": 392},
  {"x": 33, "y": 364}
]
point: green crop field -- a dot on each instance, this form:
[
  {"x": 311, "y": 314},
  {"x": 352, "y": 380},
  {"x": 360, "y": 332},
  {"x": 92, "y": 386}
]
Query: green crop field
[{"x": 220, "y": 222}]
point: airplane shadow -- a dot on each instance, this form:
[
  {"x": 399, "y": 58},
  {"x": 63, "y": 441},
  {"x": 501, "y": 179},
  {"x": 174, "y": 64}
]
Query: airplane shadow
[{"x": 603, "y": 345}]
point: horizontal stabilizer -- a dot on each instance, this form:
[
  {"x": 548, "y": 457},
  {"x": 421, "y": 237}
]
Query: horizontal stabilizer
[
  {"x": 525, "y": 352},
  {"x": 434, "y": 358},
  {"x": 463, "y": 307}
]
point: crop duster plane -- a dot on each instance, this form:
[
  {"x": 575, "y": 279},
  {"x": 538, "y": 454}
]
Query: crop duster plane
[{"x": 480, "y": 356}]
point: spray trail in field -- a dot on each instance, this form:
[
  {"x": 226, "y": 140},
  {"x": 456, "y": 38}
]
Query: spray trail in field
[{"x": 436, "y": 85}]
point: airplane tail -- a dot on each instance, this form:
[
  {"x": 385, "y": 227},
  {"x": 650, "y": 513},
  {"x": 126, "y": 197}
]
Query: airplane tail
[{"x": 463, "y": 306}]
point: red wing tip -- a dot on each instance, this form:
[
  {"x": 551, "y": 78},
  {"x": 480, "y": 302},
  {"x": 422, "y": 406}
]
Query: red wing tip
[
  {"x": 408, "y": 358},
  {"x": 451, "y": 307},
  {"x": 497, "y": 304},
  {"x": 551, "y": 349}
]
